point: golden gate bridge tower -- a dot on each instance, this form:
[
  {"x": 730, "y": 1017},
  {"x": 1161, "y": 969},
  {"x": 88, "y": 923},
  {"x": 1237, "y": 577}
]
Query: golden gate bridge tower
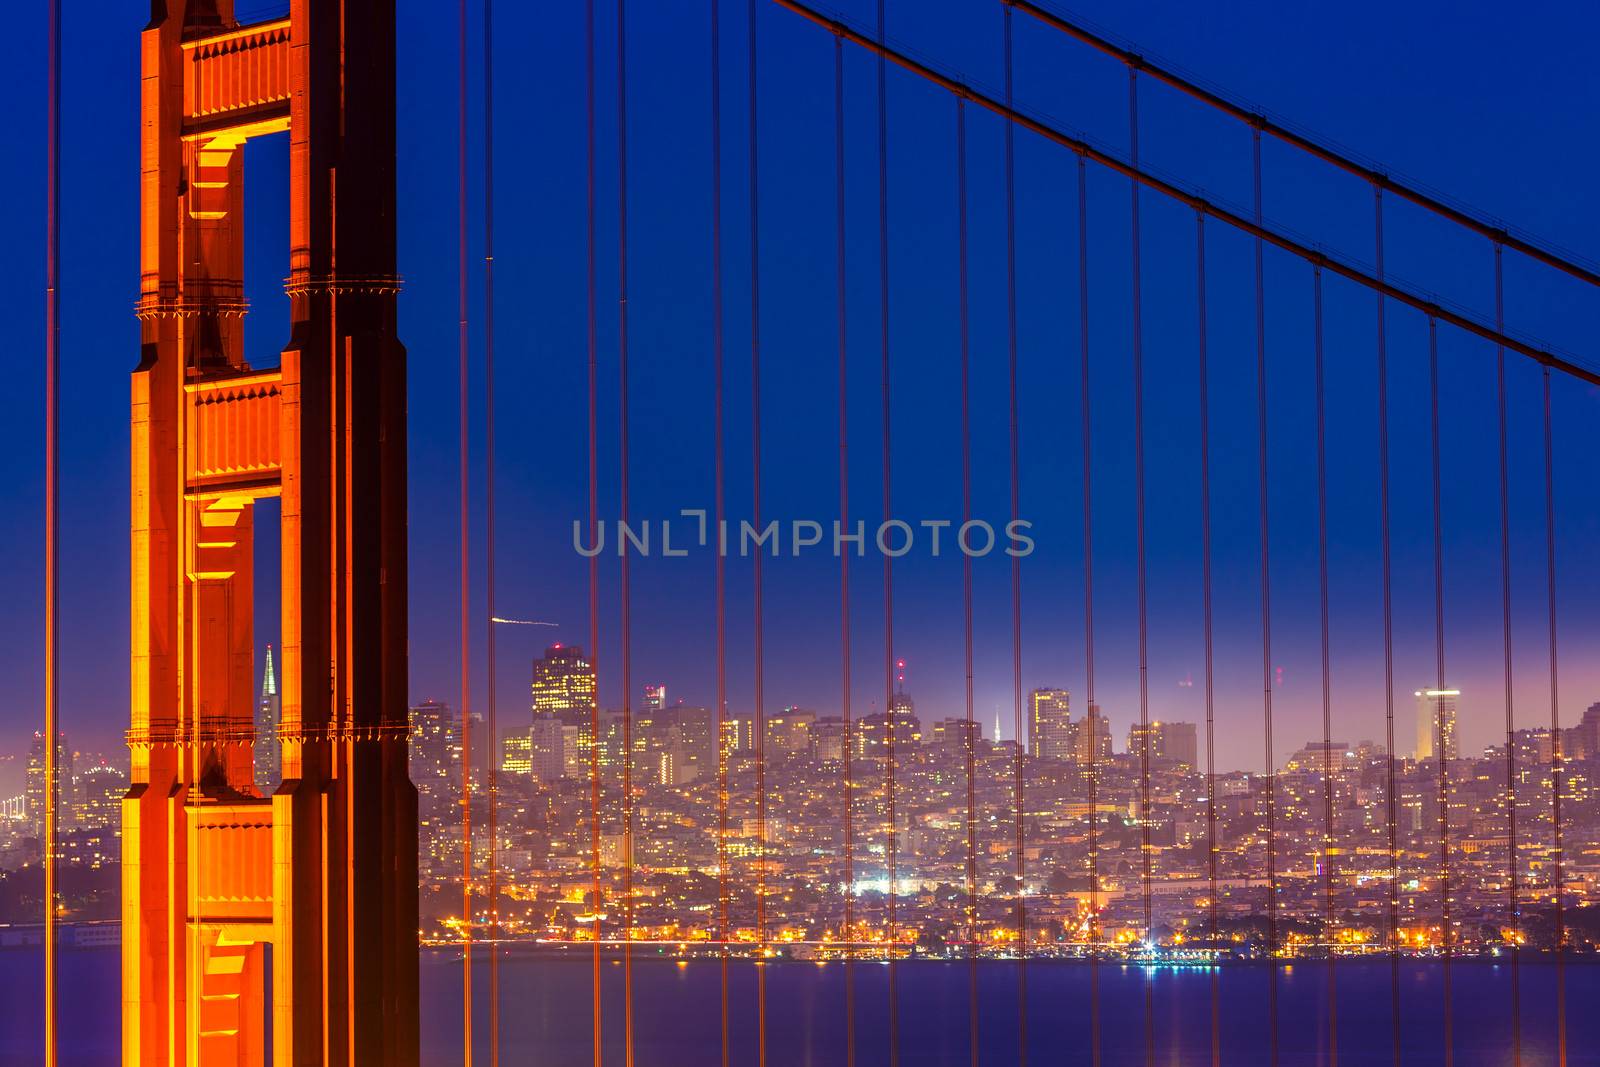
[{"x": 322, "y": 874}]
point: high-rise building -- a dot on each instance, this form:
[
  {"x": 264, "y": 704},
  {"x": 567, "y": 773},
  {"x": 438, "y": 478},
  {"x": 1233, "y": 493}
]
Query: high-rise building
[
  {"x": 1583, "y": 740},
  {"x": 1170, "y": 742},
  {"x": 1090, "y": 747},
  {"x": 692, "y": 745},
  {"x": 576, "y": 747},
  {"x": 827, "y": 738},
  {"x": 1317, "y": 757},
  {"x": 35, "y": 784},
  {"x": 1138, "y": 735},
  {"x": 954, "y": 731},
  {"x": 434, "y": 757},
  {"x": 547, "y": 749},
  {"x": 563, "y": 691},
  {"x": 1050, "y": 724},
  {"x": 563, "y": 683},
  {"x": 872, "y": 733},
  {"x": 789, "y": 732},
  {"x": 655, "y": 699},
  {"x": 269, "y": 755},
  {"x": 739, "y": 735},
  {"x": 516, "y": 754},
  {"x": 1436, "y": 714},
  {"x": 1178, "y": 742},
  {"x": 100, "y": 789}
]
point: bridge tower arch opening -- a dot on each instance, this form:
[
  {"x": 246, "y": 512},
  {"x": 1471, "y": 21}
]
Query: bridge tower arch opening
[{"x": 322, "y": 871}]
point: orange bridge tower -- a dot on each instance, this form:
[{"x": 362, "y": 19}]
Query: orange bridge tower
[{"x": 320, "y": 878}]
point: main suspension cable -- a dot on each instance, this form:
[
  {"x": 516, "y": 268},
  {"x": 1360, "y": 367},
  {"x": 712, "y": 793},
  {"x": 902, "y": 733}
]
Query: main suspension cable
[
  {"x": 1378, "y": 179},
  {"x": 1253, "y": 228}
]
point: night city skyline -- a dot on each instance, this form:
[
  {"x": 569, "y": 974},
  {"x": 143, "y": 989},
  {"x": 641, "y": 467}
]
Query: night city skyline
[
  {"x": 541, "y": 345},
  {"x": 701, "y": 500}
]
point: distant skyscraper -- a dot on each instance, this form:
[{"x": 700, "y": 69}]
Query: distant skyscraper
[
  {"x": 1170, "y": 742},
  {"x": 1138, "y": 735},
  {"x": 100, "y": 790},
  {"x": 738, "y": 735},
  {"x": 692, "y": 745},
  {"x": 435, "y": 757},
  {"x": 827, "y": 738},
  {"x": 871, "y": 734},
  {"x": 516, "y": 754},
  {"x": 563, "y": 683},
  {"x": 547, "y": 748},
  {"x": 1050, "y": 724},
  {"x": 789, "y": 731},
  {"x": 269, "y": 755},
  {"x": 655, "y": 699},
  {"x": 1088, "y": 748},
  {"x": 1436, "y": 711},
  {"x": 35, "y": 784},
  {"x": 1583, "y": 740},
  {"x": 1178, "y": 742},
  {"x": 954, "y": 731},
  {"x": 563, "y": 691}
]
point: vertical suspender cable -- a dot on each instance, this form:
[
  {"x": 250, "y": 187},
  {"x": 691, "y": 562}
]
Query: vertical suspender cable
[
  {"x": 627, "y": 591},
  {"x": 1205, "y": 565},
  {"x": 1556, "y": 756},
  {"x": 488, "y": 503},
  {"x": 597, "y": 905},
  {"x": 1266, "y": 618},
  {"x": 755, "y": 514},
  {"x": 464, "y": 474},
  {"x": 1328, "y": 919},
  {"x": 1444, "y": 731},
  {"x": 1020, "y": 827},
  {"x": 1513, "y": 906},
  {"x": 719, "y": 577},
  {"x": 1392, "y": 928},
  {"x": 1088, "y": 750},
  {"x": 844, "y": 561},
  {"x": 970, "y": 927},
  {"x": 888, "y": 568},
  {"x": 52, "y": 510},
  {"x": 1139, "y": 536}
]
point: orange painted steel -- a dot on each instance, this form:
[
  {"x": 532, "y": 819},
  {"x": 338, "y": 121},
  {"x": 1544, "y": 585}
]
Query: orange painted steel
[
  {"x": 464, "y": 534},
  {"x": 52, "y": 516},
  {"x": 324, "y": 870}
]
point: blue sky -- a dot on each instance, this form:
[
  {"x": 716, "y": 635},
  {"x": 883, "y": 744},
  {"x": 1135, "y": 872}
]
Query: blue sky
[{"x": 1485, "y": 102}]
